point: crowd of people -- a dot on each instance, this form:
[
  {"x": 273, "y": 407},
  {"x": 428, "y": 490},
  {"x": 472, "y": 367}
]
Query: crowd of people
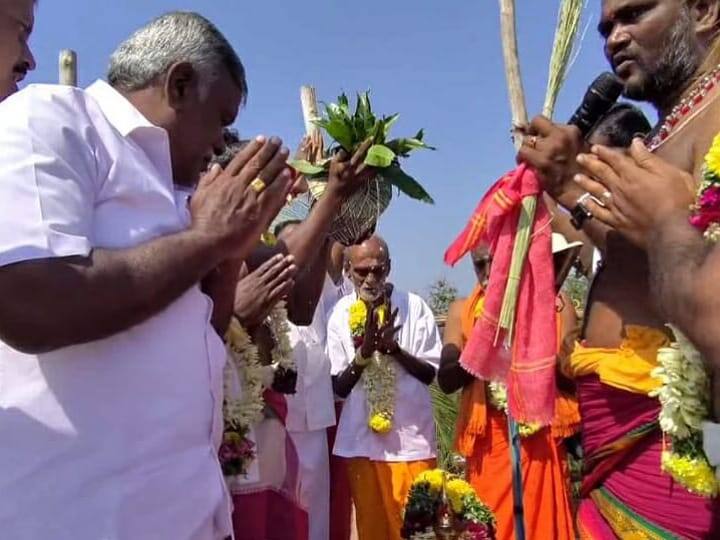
[{"x": 177, "y": 361}]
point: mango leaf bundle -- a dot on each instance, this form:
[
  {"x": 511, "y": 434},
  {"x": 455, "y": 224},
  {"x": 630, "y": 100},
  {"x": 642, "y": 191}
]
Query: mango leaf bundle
[{"x": 350, "y": 129}]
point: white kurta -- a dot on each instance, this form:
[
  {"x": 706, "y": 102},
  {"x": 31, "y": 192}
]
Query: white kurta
[
  {"x": 114, "y": 439},
  {"x": 412, "y": 436},
  {"x": 311, "y": 410}
]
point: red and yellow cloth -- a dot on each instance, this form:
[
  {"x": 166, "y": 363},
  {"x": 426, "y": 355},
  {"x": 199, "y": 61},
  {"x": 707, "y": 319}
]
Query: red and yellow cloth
[{"x": 625, "y": 494}]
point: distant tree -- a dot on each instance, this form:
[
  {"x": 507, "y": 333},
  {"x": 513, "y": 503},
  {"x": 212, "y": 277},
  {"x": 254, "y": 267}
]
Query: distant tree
[{"x": 442, "y": 293}]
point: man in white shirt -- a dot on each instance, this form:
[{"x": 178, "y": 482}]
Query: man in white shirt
[
  {"x": 110, "y": 372},
  {"x": 384, "y": 459},
  {"x": 17, "y": 19},
  {"x": 311, "y": 410}
]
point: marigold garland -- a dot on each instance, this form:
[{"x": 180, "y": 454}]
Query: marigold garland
[
  {"x": 685, "y": 397},
  {"x": 473, "y": 519},
  {"x": 705, "y": 212},
  {"x": 378, "y": 378}
]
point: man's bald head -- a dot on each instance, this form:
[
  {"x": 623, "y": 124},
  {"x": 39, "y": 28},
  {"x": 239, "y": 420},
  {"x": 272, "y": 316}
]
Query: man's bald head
[
  {"x": 374, "y": 247},
  {"x": 16, "y": 24},
  {"x": 369, "y": 267}
]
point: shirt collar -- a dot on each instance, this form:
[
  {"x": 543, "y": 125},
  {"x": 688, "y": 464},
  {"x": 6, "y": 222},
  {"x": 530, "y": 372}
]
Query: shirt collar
[{"x": 118, "y": 110}]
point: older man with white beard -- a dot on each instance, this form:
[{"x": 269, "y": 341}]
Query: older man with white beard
[{"x": 384, "y": 347}]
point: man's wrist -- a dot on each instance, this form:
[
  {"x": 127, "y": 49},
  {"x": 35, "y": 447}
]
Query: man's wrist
[
  {"x": 568, "y": 195},
  {"x": 215, "y": 246}
]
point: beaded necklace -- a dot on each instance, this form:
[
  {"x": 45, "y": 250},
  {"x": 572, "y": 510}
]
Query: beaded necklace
[{"x": 683, "y": 109}]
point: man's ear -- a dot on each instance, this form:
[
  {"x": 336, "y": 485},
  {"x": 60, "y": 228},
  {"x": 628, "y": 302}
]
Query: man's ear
[
  {"x": 181, "y": 85},
  {"x": 706, "y": 17}
]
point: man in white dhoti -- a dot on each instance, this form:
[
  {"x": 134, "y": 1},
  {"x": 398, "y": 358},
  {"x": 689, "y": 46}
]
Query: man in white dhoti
[{"x": 311, "y": 410}]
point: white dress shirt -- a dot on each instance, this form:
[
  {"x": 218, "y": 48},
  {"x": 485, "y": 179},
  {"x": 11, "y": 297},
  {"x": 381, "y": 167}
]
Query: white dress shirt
[
  {"x": 114, "y": 439},
  {"x": 312, "y": 407},
  {"x": 412, "y": 436}
]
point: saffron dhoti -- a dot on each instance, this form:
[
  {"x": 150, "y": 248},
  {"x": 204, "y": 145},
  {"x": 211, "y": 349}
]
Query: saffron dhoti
[
  {"x": 482, "y": 437},
  {"x": 379, "y": 489}
]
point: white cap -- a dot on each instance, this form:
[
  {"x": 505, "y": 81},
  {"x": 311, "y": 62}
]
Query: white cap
[{"x": 560, "y": 243}]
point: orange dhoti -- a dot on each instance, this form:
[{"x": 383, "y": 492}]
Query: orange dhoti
[
  {"x": 379, "y": 490},
  {"x": 482, "y": 438},
  {"x": 545, "y": 481}
]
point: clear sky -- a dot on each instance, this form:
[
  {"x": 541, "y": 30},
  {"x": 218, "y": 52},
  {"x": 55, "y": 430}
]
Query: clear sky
[{"x": 438, "y": 63}]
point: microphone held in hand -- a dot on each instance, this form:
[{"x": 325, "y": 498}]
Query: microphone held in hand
[{"x": 601, "y": 95}]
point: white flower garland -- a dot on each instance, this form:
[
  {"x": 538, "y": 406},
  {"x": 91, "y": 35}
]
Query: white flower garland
[
  {"x": 497, "y": 396},
  {"x": 245, "y": 408},
  {"x": 685, "y": 403},
  {"x": 379, "y": 384}
]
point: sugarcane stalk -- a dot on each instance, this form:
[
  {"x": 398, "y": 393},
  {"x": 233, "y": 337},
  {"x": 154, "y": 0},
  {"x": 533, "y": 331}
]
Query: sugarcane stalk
[{"x": 519, "y": 256}]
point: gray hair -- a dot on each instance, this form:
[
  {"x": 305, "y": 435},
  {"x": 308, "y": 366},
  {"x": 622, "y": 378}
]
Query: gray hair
[{"x": 178, "y": 36}]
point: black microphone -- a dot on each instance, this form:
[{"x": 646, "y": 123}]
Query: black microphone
[{"x": 601, "y": 95}]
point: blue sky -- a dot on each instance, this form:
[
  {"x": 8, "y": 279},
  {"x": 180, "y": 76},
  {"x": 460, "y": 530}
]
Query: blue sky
[{"x": 439, "y": 64}]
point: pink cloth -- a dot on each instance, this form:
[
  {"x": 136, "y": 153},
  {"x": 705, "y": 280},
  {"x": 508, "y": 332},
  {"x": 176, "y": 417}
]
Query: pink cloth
[
  {"x": 528, "y": 368},
  {"x": 267, "y": 510},
  {"x": 636, "y": 479}
]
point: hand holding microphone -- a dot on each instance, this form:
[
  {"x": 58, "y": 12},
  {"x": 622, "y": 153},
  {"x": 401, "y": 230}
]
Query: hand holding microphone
[{"x": 551, "y": 149}]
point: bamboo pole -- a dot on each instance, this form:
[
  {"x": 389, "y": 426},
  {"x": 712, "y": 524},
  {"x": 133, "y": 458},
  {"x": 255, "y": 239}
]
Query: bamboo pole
[
  {"x": 67, "y": 65},
  {"x": 516, "y": 93}
]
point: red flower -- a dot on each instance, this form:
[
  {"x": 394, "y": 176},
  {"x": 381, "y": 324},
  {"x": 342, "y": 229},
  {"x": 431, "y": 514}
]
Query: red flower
[
  {"x": 704, "y": 218},
  {"x": 710, "y": 198}
]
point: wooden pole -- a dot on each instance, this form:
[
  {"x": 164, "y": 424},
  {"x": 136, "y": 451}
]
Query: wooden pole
[
  {"x": 67, "y": 65},
  {"x": 308, "y": 100},
  {"x": 512, "y": 68}
]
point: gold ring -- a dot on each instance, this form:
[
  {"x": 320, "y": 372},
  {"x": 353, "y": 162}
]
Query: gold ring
[{"x": 258, "y": 185}]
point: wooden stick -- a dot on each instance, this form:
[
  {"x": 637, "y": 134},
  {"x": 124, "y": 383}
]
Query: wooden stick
[
  {"x": 309, "y": 104},
  {"x": 67, "y": 64},
  {"x": 512, "y": 67}
]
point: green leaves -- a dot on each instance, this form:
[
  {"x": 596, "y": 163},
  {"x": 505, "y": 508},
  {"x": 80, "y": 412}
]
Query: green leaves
[
  {"x": 349, "y": 129},
  {"x": 379, "y": 156},
  {"x": 403, "y": 147},
  {"x": 305, "y": 167},
  {"x": 406, "y": 184}
]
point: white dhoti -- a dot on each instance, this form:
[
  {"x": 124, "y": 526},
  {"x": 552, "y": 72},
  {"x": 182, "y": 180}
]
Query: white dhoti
[{"x": 313, "y": 454}]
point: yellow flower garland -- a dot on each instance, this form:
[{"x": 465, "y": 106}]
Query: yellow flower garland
[
  {"x": 379, "y": 376},
  {"x": 685, "y": 403}
]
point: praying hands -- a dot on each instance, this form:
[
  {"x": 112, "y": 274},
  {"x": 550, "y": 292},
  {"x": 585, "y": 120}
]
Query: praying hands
[{"x": 633, "y": 193}]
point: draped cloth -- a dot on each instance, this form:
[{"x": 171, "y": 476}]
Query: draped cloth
[
  {"x": 482, "y": 437},
  {"x": 269, "y": 509},
  {"x": 625, "y": 494},
  {"x": 528, "y": 366}
]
